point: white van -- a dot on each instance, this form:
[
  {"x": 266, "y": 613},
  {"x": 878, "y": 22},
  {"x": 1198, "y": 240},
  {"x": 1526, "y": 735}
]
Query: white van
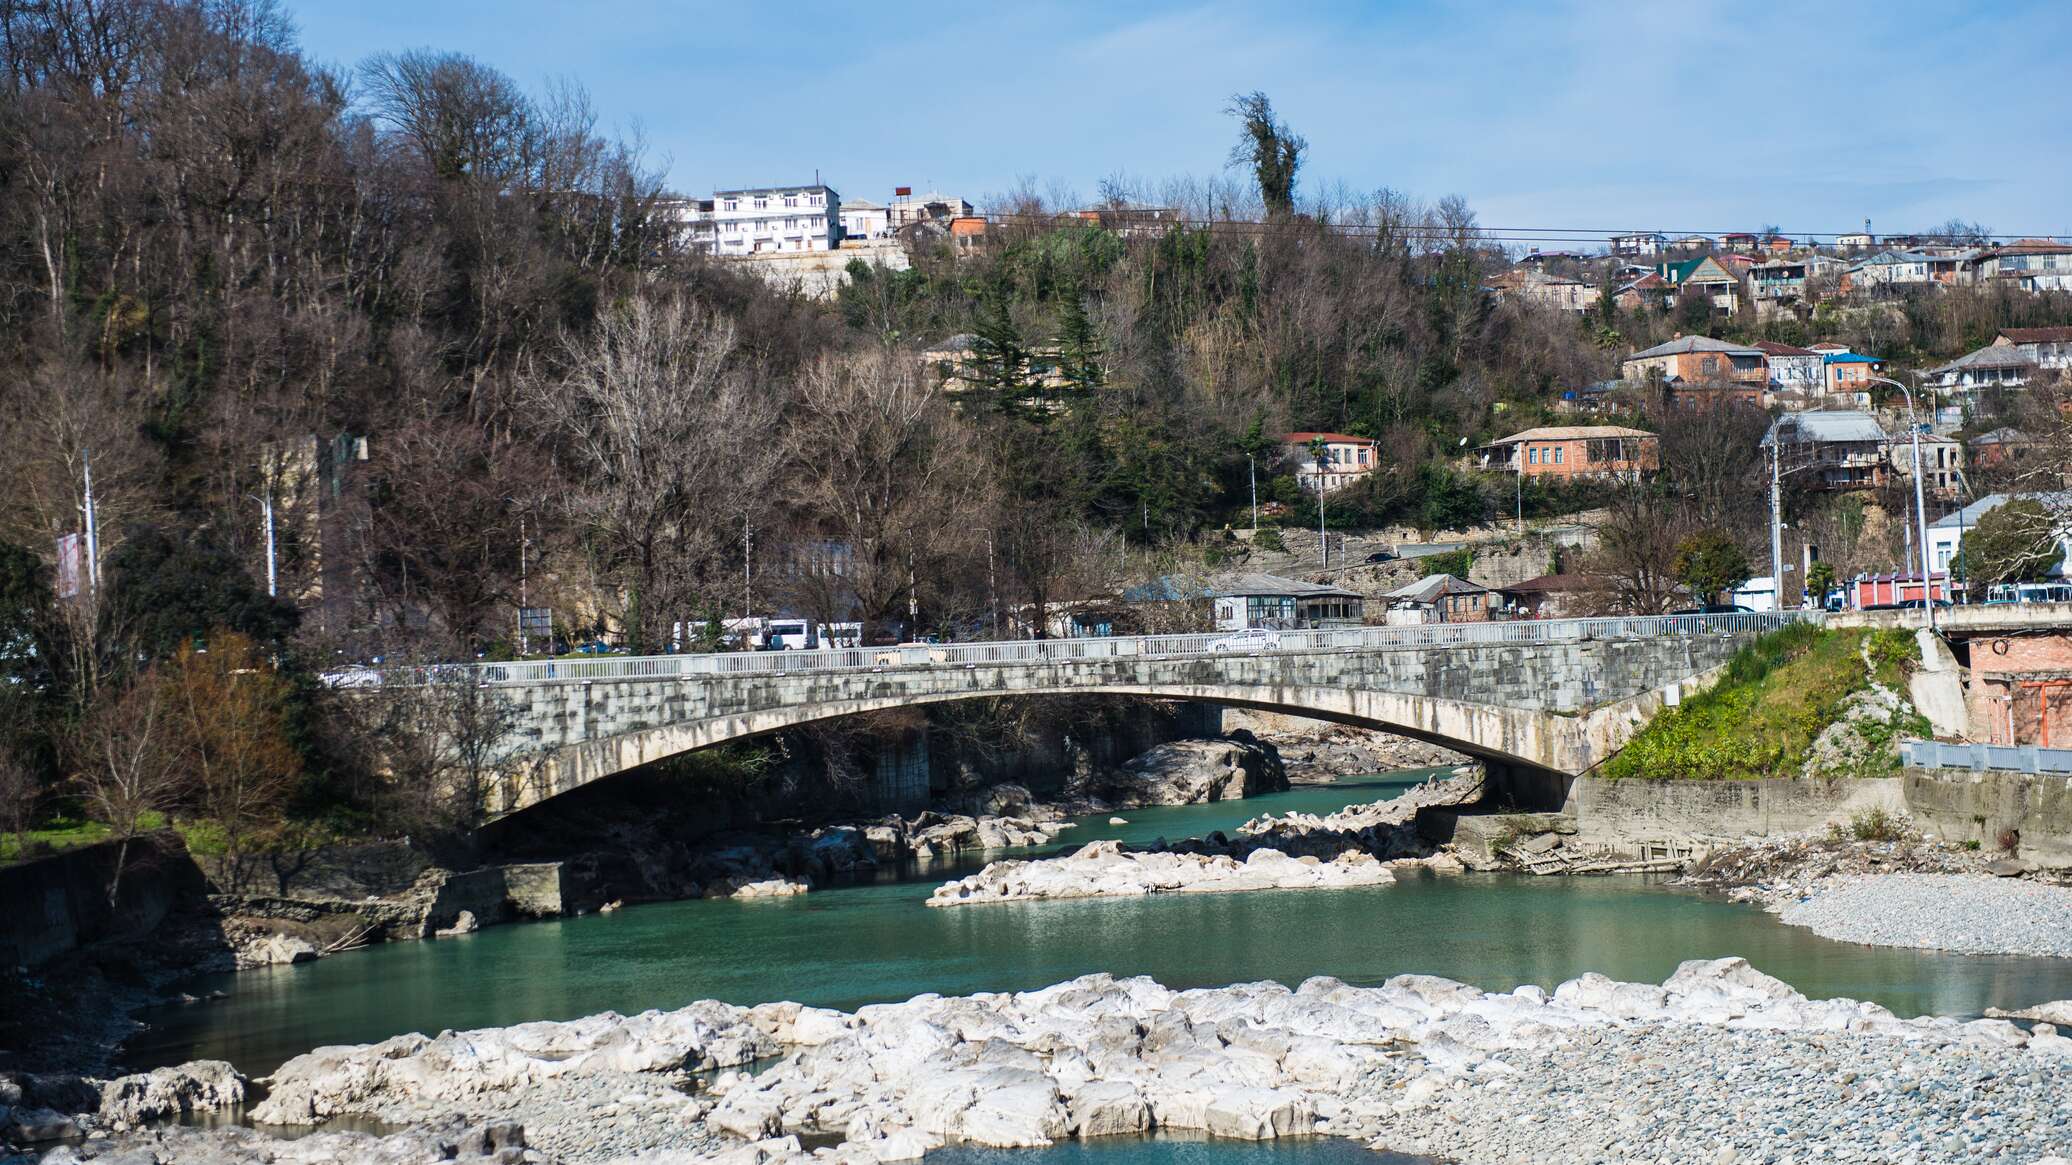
[{"x": 790, "y": 635}]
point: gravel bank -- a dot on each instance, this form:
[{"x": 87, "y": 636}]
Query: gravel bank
[
  {"x": 1719, "y": 1063},
  {"x": 1972, "y": 913}
]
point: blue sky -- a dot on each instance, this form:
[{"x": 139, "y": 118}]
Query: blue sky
[{"x": 1659, "y": 114}]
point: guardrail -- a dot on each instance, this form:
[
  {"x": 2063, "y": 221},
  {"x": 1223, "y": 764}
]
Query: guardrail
[
  {"x": 2020, "y": 758},
  {"x": 1043, "y": 651}
]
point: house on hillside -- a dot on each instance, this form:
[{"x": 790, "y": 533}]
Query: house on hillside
[
  {"x": 1568, "y": 451},
  {"x": 1644, "y": 291},
  {"x": 1556, "y": 291},
  {"x": 1946, "y": 534},
  {"x": 1695, "y": 368},
  {"x": 1550, "y": 596},
  {"x": 864, "y": 219},
  {"x": 1704, "y": 276},
  {"x": 1440, "y": 598},
  {"x": 1888, "y": 269},
  {"x": 1831, "y": 450},
  {"x": 1646, "y": 243},
  {"x": 956, "y": 362},
  {"x": 1942, "y": 462},
  {"x": 2002, "y": 446},
  {"x": 2047, "y": 348},
  {"x": 2030, "y": 264},
  {"x": 1798, "y": 376},
  {"x": 1239, "y": 601},
  {"x": 1784, "y": 280},
  {"x": 1993, "y": 366},
  {"x": 1345, "y": 459},
  {"x": 1737, "y": 241},
  {"x": 1850, "y": 372}
]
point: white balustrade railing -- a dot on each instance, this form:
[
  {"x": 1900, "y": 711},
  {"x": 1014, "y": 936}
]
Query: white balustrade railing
[{"x": 1036, "y": 652}]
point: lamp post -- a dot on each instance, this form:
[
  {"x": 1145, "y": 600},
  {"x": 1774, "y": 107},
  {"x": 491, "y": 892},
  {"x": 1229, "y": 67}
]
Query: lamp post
[{"x": 1920, "y": 498}]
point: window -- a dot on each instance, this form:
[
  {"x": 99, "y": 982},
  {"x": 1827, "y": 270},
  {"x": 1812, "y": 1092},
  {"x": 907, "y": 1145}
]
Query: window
[
  {"x": 1532, "y": 455},
  {"x": 762, "y": 203},
  {"x": 730, "y": 204},
  {"x": 815, "y": 200},
  {"x": 1557, "y": 454},
  {"x": 791, "y": 200}
]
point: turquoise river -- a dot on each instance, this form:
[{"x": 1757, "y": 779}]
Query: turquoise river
[{"x": 873, "y": 941}]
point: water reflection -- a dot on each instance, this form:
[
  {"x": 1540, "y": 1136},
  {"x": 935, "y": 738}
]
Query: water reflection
[{"x": 847, "y": 946}]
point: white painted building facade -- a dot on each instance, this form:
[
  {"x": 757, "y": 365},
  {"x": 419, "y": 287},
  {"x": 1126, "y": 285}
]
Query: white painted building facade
[{"x": 776, "y": 218}]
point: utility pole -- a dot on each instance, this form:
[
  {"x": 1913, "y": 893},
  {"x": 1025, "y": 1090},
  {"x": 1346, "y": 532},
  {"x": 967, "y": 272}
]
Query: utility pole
[
  {"x": 272, "y": 572},
  {"x": 747, "y": 579},
  {"x": 93, "y": 526},
  {"x": 1252, "y": 472},
  {"x": 1776, "y": 528},
  {"x": 1920, "y": 503},
  {"x": 524, "y": 642}
]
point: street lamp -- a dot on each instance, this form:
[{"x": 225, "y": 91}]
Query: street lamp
[{"x": 1920, "y": 497}]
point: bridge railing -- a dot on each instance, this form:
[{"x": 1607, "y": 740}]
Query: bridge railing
[{"x": 1042, "y": 651}]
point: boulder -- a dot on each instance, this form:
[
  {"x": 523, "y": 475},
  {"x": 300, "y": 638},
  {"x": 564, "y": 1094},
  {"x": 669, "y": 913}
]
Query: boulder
[
  {"x": 1193, "y": 772},
  {"x": 275, "y": 949},
  {"x": 1109, "y": 1108},
  {"x": 163, "y": 1093}
]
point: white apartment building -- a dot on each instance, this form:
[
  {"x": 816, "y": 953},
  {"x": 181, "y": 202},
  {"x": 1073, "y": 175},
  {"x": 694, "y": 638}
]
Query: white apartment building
[
  {"x": 776, "y": 218},
  {"x": 693, "y": 219},
  {"x": 863, "y": 219}
]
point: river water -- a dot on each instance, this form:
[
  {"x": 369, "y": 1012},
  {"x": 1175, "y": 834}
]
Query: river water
[{"x": 872, "y": 942}]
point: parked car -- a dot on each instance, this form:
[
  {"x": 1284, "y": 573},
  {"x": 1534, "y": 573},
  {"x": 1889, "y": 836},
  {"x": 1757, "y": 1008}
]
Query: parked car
[
  {"x": 1716, "y": 609},
  {"x": 1380, "y": 556},
  {"x": 1250, "y": 639}
]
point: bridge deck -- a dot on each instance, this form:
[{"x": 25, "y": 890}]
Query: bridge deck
[{"x": 1046, "y": 651}]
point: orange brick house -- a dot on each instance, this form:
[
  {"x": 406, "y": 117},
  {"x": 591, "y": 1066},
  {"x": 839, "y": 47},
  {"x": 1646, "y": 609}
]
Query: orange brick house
[
  {"x": 1570, "y": 451},
  {"x": 1699, "y": 367},
  {"x": 2021, "y": 689},
  {"x": 1346, "y": 459}
]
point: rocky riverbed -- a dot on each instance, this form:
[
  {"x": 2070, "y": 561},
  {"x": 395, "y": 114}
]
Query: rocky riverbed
[
  {"x": 1719, "y": 1063},
  {"x": 1105, "y": 869}
]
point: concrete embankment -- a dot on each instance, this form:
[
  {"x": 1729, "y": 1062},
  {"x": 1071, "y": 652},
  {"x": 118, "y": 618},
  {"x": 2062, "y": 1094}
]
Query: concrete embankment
[{"x": 1952, "y": 805}]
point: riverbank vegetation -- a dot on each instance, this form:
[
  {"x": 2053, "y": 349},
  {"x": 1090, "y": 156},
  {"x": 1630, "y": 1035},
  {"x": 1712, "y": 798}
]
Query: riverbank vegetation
[{"x": 1776, "y": 701}]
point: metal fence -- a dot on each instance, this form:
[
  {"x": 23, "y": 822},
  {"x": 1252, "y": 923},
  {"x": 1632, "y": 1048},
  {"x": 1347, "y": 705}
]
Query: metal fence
[
  {"x": 2020, "y": 758},
  {"x": 1043, "y": 651}
]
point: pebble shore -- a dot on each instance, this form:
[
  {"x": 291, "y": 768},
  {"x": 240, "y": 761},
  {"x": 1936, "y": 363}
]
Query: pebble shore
[
  {"x": 1971, "y": 913},
  {"x": 1719, "y": 1063}
]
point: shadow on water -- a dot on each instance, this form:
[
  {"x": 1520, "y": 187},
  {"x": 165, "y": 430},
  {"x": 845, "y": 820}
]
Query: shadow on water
[
  {"x": 1175, "y": 1148},
  {"x": 872, "y": 942}
]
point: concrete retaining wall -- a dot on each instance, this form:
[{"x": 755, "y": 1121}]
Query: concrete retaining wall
[
  {"x": 1621, "y": 814},
  {"x": 1950, "y": 804},
  {"x": 1964, "y": 805}
]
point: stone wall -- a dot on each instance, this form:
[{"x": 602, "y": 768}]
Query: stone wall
[{"x": 58, "y": 904}]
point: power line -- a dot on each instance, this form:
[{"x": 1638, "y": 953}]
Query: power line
[{"x": 1486, "y": 233}]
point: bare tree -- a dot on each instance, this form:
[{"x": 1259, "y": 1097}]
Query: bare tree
[
  {"x": 1635, "y": 559},
  {"x": 672, "y": 451},
  {"x": 883, "y": 469},
  {"x": 126, "y": 767},
  {"x": 227, "y": 729}
]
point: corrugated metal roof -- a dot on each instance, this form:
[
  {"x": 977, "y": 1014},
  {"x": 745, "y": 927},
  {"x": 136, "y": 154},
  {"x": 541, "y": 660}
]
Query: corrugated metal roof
[
  {"x": 1683, "y": 344},
  {"x": 1429, "y": 590},
  {"x": 1825, "y": 428},
  {"x": 1990, "y": 356},
  {"x": 1572, "y": 433}
]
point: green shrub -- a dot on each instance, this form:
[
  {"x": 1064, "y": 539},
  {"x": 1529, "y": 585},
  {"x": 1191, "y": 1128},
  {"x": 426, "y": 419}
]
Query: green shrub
[
  {"x": 1269, "y": 538},
  {"x": 1877, "y": 825},
  {"x": 1453, "y": 562}
]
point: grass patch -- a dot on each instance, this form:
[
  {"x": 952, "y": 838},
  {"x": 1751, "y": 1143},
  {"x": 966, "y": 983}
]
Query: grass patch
[{"x": 1774, "y": 699}]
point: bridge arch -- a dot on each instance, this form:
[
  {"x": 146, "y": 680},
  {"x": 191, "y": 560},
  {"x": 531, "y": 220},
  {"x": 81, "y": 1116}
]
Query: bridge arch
[{"x": 1548, "y": 709}]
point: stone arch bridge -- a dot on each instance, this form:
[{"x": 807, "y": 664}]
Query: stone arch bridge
[{"x": 1538, "y": 701}]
